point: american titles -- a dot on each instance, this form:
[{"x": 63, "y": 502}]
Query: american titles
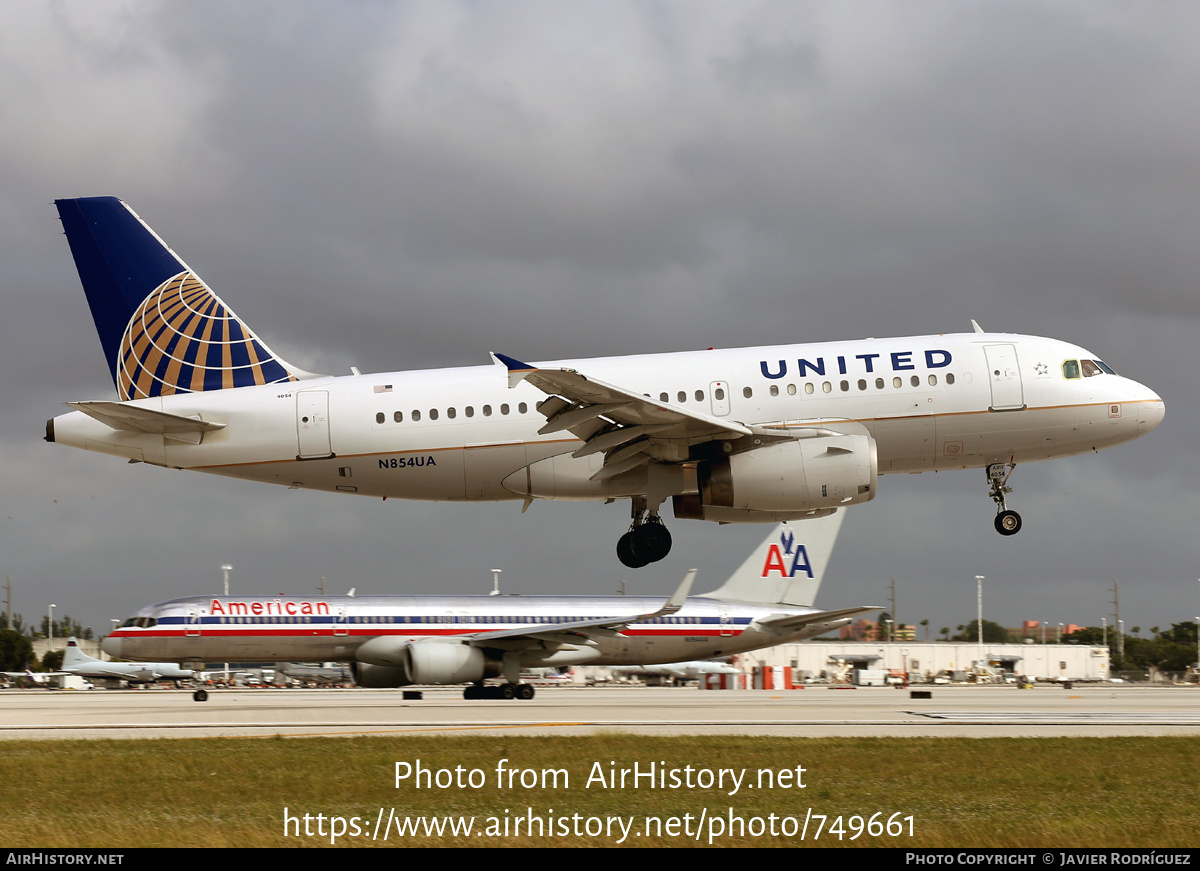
[{"x": 268, "y": 607}]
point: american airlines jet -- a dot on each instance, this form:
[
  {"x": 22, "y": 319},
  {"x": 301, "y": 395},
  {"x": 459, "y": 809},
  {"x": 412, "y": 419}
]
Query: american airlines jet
[
  {"x": 746, "y": 435},
  {"x": 393, "y": 641}
]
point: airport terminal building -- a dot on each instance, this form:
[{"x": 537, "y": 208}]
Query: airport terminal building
[{"x": 930, "y": 659}]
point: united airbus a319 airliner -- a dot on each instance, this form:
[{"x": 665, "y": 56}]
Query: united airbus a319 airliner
[
  {"x": 393, "y": 641},
  {"x": 747, "y": 435}
]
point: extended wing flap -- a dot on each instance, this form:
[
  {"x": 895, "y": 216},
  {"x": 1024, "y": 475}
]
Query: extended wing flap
[
  {"x": 605, "y": 416},
  {"x": 132, "y": 418}
]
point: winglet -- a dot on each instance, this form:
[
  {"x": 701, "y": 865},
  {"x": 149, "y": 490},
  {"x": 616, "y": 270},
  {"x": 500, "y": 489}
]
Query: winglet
[
  {"x": 517, "y": 371},
  {"x": 678, "y": 597}
]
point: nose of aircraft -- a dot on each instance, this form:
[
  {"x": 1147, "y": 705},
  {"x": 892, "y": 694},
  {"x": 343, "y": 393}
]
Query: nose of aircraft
[
  {"x": 1151, "y": 411},
  {"x": 111, "y": 646}
]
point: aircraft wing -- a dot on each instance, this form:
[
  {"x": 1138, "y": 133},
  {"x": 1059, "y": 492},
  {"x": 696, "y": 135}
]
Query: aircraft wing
[
  {"x": 625, "y": 424},
  {"x": 588, "y": 399},
  {"x": 134, "y": 418},
  {"x": 579, "y": 630}
]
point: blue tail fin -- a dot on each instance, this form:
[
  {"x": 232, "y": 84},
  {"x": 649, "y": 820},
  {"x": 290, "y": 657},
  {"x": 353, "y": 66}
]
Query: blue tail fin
[{"x": 162, "y": 329}]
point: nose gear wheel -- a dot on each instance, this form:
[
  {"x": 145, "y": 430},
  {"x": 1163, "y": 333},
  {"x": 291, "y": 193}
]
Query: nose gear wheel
[{"x": 1007, "y": 522}]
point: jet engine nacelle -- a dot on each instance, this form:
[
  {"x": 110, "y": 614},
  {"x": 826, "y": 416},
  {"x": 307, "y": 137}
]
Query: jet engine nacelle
[
  {"x": 378, "y": 677},
  {"x": 438, "y": 661},
  {"x": 785, "y": 480}
]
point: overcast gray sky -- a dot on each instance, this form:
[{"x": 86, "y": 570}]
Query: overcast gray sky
[{"x": 411, "y": 185}]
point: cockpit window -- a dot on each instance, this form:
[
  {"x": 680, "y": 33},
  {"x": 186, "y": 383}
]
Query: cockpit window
[
  {"x": 139, "y": 622},
  {"x": 1070, "y": 368},
  {"x": 1089, "y": 368},
  {"x": 1104, "y": 367}
]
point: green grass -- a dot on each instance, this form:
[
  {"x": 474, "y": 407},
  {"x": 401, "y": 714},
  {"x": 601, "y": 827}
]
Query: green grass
[{"x": 1060, "y": 792}]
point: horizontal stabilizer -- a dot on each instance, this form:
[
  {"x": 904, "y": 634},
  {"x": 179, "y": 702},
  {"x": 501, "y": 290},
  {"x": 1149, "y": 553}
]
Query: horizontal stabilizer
[
  {"x": 132, "y": 418},
  {"x": 796, "y": 621}
]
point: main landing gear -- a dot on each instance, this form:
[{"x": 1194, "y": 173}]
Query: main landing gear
[
  {"x": 1007, "y": 522},
  {"x": 521, "y": 691},
  {"x": 647, "y": 540}
]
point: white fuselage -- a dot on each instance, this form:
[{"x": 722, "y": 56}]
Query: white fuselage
[
  {"x": 285, "y": 629},
  {"x": 930, "y": 402}
]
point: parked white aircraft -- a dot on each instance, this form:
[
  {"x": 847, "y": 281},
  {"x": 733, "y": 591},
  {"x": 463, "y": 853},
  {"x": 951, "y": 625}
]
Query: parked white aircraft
[
  {"x": 75, "y": 661},
  {"x": 694, "y": 670},
  {"x": 399, "y": 640},
  {"x": 750, "y": 435},
  {"x": 40, "y": 678}
]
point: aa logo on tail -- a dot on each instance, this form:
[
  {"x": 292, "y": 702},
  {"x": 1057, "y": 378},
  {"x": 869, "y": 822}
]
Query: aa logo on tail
[{"x": 787, "y": 558}]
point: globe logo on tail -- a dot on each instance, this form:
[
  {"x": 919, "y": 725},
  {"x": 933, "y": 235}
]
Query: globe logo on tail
[{"x": 183, "y": 339}]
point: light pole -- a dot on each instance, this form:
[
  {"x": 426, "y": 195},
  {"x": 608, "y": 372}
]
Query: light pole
[
  {"x": 50, "y": 628},
  {"x": 979, "y": 614}
]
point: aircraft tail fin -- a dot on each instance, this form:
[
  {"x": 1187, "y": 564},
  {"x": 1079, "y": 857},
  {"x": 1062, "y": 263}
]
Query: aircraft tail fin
[
  {"x": 788, "y": 567},
  {"x": 73, "y": 657},
  {"x": 163, "y": 330}
]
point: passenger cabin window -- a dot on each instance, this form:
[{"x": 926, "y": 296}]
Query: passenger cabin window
[
  {"x": 663, "y": 397},
  {"x": 398, "y": 416},
  {"x": 746, "y": 392},
  {"x": 379, "y": 418},
  {"x": 1070, "y": 368}
]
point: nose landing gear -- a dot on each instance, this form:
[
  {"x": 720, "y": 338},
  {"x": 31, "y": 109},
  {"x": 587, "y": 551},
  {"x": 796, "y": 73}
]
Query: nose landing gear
[{"x": 1007, "y": 522}]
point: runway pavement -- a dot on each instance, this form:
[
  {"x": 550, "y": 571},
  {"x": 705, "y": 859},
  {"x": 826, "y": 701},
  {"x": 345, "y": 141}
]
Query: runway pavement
[{"x": 1047, "y": 710}]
